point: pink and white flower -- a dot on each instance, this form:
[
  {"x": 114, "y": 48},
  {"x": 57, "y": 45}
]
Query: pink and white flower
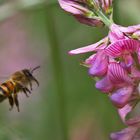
[{"x": 115, "y": 61}]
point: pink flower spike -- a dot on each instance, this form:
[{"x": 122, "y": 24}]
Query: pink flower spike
[
  {"x": 90, "y": 48},
  {"x": 118, "y": 75},
  {"x": 100, "y": 65},
  {"x": 104, "y": 85},
  {"x": 122, "y": 47},
  {"x": 121, "y": 96}
]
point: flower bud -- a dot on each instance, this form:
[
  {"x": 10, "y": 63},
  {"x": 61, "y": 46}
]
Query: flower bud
[
  {"x": 90, "y": 21},
  {"x": 106, "y": 6},
  {"x": 81, "y": 11}
]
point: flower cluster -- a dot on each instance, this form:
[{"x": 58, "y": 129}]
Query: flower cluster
[{"x": 115, "y": 61}]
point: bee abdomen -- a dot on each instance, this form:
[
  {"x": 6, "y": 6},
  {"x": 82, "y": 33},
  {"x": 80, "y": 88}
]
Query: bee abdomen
[
  {"x": 2, "y": 92},
  {"x": 6, "y": 88}
]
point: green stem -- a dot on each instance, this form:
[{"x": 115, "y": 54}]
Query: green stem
[
  {"x": 106, "y": 21},
  {"x": 57, "y": 71}
]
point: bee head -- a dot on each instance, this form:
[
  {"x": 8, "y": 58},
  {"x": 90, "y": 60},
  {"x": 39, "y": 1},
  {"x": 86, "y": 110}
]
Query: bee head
[{"x": 29, "y": 73}]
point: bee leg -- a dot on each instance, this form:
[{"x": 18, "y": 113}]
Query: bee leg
[
  {"x": 16, "y": 101},
  {"x": 27, "y": 90},
  {"x": 34, "y": 79},
  {"x": 24, "y": 91},
  {"x": 11, "y": 102},
  {"x": 30, "y": 83}
]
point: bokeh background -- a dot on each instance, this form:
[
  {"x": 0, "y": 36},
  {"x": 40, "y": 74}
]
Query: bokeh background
[{"x": 66, "y": 106}]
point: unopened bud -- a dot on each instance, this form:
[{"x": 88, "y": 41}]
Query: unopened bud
[
  {"x": 81, "y": 11},
  {"x": 106, "y": 6}
]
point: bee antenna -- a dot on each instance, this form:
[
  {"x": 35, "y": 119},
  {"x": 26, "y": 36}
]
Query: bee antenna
[{"x": 37, "y": 67}]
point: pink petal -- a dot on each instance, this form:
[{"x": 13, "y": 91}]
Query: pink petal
[
  {"x": 135, "y": 73},
  {"x": 121, "y": 47},
  {"x": 115, "y": 34},
  {"x": 126, "y": 134},
  {"x": 118, "y": 75},
  {"x": 81, "y": 12},
  {"x": 113, "y": 37},
  {"x": 128, "y": 60},
  {"x": 104, "y": 85},
  {"x": 138, "y": 53},
  {"x": 94, "y": 21},
  {"x": 121, "y": 96},
  {"x": 100, "y": 65},
  {"x": 124, "y": 111},
  {"x": 135, "y": 121},
  {"x": 130, "y": 29},
  {"x": 72, "y": 7},
  {"x": 90, "y": 60},
  {"x": 90, "y": 48}
]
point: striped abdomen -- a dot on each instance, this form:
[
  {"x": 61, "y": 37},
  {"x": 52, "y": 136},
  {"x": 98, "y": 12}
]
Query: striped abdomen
[{"x": 7, "y": 88}]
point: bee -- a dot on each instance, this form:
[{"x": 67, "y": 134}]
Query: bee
[{"x": 20, "y": 81}]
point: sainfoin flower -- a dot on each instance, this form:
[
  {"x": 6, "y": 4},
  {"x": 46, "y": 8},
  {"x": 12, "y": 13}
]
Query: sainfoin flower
[{"x": 116, "y": 63}]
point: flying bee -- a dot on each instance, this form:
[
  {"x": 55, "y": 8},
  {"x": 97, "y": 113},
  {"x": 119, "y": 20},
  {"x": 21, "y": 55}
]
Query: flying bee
[{"x": 17, "y": 82}]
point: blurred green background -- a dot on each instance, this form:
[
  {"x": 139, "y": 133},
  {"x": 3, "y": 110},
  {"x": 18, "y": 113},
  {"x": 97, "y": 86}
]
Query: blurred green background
[{"x": 66, "y": 106}]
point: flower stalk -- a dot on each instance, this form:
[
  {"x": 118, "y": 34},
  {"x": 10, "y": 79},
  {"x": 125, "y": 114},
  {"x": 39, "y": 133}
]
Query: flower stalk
[
  {"x": 104, "y": 18},
  {"x": 57, "y": 73}
]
